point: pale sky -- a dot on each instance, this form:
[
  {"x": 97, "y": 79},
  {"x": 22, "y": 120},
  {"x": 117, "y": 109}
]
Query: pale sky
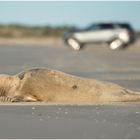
[{"x": 57, "y": 13}]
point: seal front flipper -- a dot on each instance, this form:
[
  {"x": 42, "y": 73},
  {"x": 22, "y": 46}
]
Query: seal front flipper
[{"x": 23, "y": 99}]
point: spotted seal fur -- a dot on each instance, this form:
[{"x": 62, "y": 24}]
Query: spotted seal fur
[{"x": 51, "y": 86}]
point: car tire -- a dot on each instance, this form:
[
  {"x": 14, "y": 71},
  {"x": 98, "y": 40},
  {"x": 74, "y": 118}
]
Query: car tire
[
  {"x": 74, "y": 44},
  {"x": 116, "y": 44}
]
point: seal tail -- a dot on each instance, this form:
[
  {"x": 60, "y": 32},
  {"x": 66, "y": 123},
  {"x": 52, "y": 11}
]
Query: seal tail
[
  {"x": 130, "y": 96},
  {"x": 125, "y": 95}
]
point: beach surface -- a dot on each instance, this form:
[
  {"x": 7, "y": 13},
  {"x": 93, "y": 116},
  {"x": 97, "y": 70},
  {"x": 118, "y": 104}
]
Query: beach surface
[{"x": 42, "y": 120}]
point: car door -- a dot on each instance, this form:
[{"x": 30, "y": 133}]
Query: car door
[{"x": 97, "y": 33}]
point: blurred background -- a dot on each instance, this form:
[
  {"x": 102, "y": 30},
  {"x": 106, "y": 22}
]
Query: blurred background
[{"x": 47, "y": 21}]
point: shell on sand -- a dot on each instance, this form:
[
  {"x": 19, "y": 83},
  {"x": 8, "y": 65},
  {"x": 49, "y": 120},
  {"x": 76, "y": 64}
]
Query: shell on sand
[{"x": 45, "y": 85}]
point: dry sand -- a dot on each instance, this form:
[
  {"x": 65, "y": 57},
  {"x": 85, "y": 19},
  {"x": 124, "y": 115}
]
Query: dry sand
[
  {"x": 32, "y": 41},
  {"x": 42, "y": 42}
]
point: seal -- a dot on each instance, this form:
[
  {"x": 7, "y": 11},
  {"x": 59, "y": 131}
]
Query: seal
[{"x": 51, "y": 86}]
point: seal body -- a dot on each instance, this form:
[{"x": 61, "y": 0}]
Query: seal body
[{"x": 45, "y": 85}]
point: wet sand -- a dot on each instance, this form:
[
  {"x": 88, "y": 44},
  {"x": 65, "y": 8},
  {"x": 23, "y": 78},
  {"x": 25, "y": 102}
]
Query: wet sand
[
  {"x": 35, "y": 120},
  {"x": 56, "y": 121}
]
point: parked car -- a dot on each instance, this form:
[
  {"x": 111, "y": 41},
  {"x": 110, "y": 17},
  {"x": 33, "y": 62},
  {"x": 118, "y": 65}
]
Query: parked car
[{"x": 117, "y": 35}]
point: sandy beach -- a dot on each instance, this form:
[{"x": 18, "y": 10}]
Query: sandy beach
[{"x": 35, "y": 120}]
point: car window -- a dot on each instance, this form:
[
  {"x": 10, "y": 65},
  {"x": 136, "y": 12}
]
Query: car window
[
  {"x": 125, "y": 26},
  {"x": 107, "y": 26},
  {"x": 94, "y": 27},
  {"x": 100, "y": 26}
]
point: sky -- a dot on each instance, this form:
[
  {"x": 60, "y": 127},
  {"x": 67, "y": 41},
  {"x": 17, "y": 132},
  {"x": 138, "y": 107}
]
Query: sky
[{"x": 76, "y": 13}]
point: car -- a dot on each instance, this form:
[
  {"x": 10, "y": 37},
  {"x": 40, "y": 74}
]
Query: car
[{"x": 116, "y": 35}]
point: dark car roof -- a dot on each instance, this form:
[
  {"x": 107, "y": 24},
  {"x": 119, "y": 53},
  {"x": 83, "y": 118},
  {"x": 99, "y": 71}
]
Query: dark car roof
[{"x": 110, "y": 25}]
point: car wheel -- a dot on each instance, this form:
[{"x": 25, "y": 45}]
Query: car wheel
[
  {"x": 116, "y": 44},
  {"x": 74, "y": 44}
]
